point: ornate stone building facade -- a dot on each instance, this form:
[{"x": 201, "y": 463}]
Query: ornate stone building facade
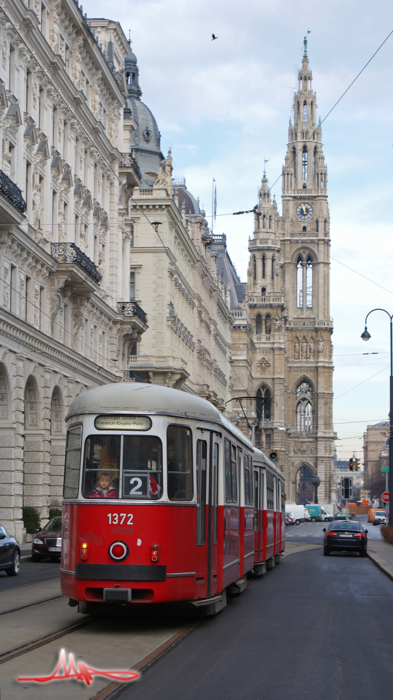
[
  {"x": 281, "y": 341},
  {"x": 65, "y": 314},
  {"x": 89, "y": 225}
]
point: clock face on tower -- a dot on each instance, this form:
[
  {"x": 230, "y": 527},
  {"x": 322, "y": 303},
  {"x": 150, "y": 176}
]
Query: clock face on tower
[{"x": 304, "y": 211}]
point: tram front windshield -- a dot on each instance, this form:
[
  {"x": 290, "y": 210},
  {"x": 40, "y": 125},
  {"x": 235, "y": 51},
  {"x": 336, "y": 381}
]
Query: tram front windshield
[{"x": 117, "y": 466}]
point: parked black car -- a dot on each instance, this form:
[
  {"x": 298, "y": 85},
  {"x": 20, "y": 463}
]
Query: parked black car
[
  {"x": 9, "y": 553},
  {"x": 47, "y": 542},
  {"x": 347, "y": 536}
]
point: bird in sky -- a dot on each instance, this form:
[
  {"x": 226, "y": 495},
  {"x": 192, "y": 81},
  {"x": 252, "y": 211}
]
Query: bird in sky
[{"x": 214, "y": 37}]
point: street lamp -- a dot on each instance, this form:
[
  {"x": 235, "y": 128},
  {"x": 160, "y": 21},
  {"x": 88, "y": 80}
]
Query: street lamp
[
  {"x": 366, "y": 336},
  {"x": 316, "y": 482}
]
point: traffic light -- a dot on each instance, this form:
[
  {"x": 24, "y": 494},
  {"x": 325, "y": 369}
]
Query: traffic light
[
  {"x": 351, "y": 461},
  {"x": 357, "y": 465}
]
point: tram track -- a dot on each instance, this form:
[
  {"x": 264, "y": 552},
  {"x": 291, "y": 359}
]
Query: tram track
[
  {"x": 29, "y": 605},
  {"x": 41, "y": 641}
]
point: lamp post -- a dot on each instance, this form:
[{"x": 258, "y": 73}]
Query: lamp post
[
  {"x": 366, "y": 336},
  {"x": 316, "y": 482}
]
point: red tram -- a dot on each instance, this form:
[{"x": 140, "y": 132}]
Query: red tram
[{"x": 164, "y": 500}]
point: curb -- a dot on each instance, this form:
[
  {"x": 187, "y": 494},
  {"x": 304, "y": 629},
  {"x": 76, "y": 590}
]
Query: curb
[{"x": 381, "y": 564}]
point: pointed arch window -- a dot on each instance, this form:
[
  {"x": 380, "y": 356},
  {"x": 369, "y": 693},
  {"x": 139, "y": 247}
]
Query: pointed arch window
[
  {"x": 309, "y": 283},
  {"x": 268, "y": 324},
  {"x": 299, "y": 283},
  {"x": 314, "y": 161},
  {"x": 273, "y": 262},
  {"x": 263, "y": 403},
  {"x": 258, "y": 324},
  {"x": 263, "y": 291},
  {"x": 312, "y": 109},
  {"x": 304, "y": 162},
  {"x": 264, "y": 221},
  {"x": 304, "y": 407},
  {"x": 294, "y": 156},
  {"x": 263, "y": 266},
  {"x": 304, "y": 111},
  {"x": 254, "y": 265},
  {"x": 270, "y": 221}
]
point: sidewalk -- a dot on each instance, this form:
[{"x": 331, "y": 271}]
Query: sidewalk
[{"x": 381, "y": 554}]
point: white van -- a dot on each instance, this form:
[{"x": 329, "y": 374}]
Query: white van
[{"x": 297, "y": 512}]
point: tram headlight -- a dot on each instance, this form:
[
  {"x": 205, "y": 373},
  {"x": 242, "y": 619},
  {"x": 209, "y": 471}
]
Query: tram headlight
[
  {"x": 155, "y": 552},
  {"x": 84, "y": 552}
]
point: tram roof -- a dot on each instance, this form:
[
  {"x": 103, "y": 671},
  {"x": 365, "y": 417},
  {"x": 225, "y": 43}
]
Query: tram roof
[
  {"x": 135, "y": 397},
  {"x": 141, "y": 398}
]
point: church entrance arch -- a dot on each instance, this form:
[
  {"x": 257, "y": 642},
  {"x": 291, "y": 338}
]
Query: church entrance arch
[{"x": 304, "y": 487}]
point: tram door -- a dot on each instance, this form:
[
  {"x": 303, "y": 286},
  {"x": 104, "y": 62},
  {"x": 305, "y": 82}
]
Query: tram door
[
  {"x": 258, "y": 514},
  {"x": 207, "y": 461}
]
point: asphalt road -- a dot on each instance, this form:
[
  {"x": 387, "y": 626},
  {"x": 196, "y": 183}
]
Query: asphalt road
[
  {"x": 312, "y": 533},
  {"x": 313, "y": 627},
  {"x": 30, "y": 572}
]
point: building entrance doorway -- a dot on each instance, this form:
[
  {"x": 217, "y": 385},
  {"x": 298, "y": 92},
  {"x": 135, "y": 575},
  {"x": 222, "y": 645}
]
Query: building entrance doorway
[{"x": 304, "y": 487}]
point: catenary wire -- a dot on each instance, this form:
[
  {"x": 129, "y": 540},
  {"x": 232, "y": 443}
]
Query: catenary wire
[{"x": 249, "y": 211}]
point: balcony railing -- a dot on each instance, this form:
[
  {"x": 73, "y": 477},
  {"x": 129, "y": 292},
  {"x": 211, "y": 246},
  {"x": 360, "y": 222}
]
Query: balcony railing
[
  {"x": 128, "y": 161},
  {"x": 12, "y": 192},
  {"x": 131, "y": 308},
  {"x": 70, "y": 253}
]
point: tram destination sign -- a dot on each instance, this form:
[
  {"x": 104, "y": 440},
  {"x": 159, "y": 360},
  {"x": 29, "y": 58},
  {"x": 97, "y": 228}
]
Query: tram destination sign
[{"x": 122, "y": 422}]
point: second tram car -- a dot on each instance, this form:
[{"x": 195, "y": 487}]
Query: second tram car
[{"x": 164, "y": 500}]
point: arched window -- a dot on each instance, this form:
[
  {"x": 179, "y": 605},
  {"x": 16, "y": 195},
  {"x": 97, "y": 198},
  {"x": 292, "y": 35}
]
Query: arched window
[
  {"x": 268, "y": 324},
  {"x": 258, "y": 324},
  {"x": 314, "y": 161},
  {"x": 254, "y": 263},
  {"x": 304, "y": 162},
  {"x": 263, "y": 291},
  {"x": 4, "y": 395},
  {"x": 56, "y": 413},
  {"x": 317, "y": 225},
  {"x": 309, "y": 283},
  {"x": 263, "y": 403},
  {"x": 273, "y": 261},
  {"x": 264, "y": 221},
  {"x": 299, "y": 283},
  {"x": 270, "y": 221},
  {"x": 312, "y": 109},
  {"x": 325, "y": 226},
  {"x": 304, "y": 111},
  {"x": 263, "y": 266},
  {"x": 298, "y": 108},
  {"x": 304, "y": 407},
  {"x": 294, "y": 156}
]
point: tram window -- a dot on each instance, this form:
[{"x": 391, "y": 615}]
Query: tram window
[
  {"x": 247, "y": 480},
  {"x": 270, "y": 490},
  {"x": 142, "y": 467},
  {"x": 282, "y": 498},
  {"x": 216, "y": 454},
  {"x": 230, "y": 472},
  {"x": 201, "y": 490},
  {"x": 262, "y": 496},
  {"x": 72, "y": 462},
  {"x": 179, "y": 450},
  {"x": 256, "y": 501},
  {"x": 101, "y": 469}
]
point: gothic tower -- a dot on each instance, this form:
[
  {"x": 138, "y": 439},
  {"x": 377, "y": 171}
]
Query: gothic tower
[{"x": 282, "y": 349}]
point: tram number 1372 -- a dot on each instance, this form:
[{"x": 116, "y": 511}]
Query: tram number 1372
[{"x": 120, "y": 518}]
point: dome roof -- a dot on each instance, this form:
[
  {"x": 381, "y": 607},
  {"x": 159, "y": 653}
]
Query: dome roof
[
  {"x": 146, "y": 135},
  {"x": 184, "y": 196}
]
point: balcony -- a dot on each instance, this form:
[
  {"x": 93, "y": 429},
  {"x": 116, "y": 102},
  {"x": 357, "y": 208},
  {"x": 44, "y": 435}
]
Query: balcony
[
  {"x": 132, "y": 170},
  {"x": 12, "y": 192},
  {"x": 165, "y": 370},
  {"x": 131, "y": 308},
  {"x": 69, "y": 253},
  {"x": 265, "y": 299}
]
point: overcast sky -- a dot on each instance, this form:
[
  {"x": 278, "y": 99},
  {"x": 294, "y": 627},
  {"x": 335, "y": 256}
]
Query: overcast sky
[{"x": 223, "y": 106}]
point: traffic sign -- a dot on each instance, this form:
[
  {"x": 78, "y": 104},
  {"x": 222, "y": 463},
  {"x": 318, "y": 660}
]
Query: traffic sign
[
  {"x": 385, "y": 496},
  {"x": 384, "y": 469}
]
